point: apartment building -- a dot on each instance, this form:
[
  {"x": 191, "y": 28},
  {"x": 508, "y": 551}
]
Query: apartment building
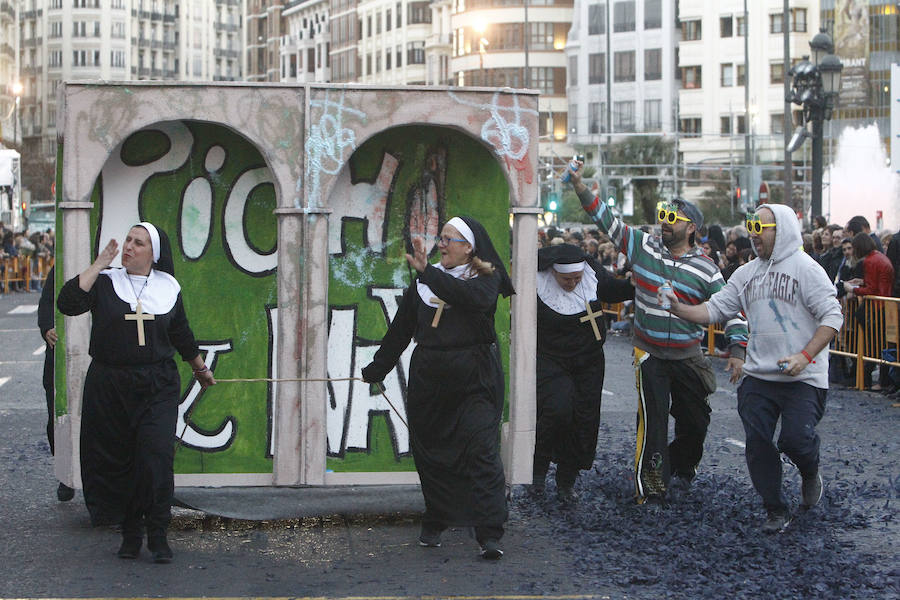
[
  {"x": 639, "y": 50},
  {"x": 306, "y": 43},
  {"x": 262, "y": 35},
  {"x": 712, "y": 108},
  {"x": 8, "y": 69}
]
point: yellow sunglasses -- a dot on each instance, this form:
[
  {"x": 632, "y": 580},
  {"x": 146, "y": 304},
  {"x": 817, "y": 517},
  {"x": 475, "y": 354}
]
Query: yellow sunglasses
[
  {"x": 668, "y": 213},
  {"x": 754, "y": 225}
]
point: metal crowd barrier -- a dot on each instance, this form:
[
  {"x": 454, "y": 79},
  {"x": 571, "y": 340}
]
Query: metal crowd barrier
[
  {"x": 21, "y": 269},
  {"x": 867, "y": 339}
]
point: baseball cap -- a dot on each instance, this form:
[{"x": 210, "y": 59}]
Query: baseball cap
[{"x": 690, "y": 210}]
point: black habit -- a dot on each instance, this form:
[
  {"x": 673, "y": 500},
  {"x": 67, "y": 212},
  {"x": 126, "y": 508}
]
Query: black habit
[
  {"x": 570, "y": 367},
  {"x": 454, "y": 398},
  {"x": 130, "y": 405}
]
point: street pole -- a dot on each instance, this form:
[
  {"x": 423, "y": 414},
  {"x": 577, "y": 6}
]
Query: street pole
[
  {"x": 527, "y": 35},
  {"x": 788, "y": 198},
  {"x": 747, "y": 87},
  {"x": 815, "y": 208}
]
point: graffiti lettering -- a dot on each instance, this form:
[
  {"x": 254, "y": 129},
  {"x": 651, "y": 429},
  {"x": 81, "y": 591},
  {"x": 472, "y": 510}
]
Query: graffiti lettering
[
  {"x": 190, "y": 435},
  {"x": 329, "y": 143}
]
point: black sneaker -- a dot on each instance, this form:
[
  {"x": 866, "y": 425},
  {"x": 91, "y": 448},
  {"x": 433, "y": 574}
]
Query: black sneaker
[
  {"x": 159, "y": 548},
  {"x": 777, "y": 521},
  {"x": 490, "y": 550},
  {"x": 130, "y": 548},
  {"x": 812, "y": 490},
  {"x": 566, "y": 495},
  {"x": 64, "y": 493},
  {"x": 430, "y": 538},
  {"x": 679, "y": 487}
]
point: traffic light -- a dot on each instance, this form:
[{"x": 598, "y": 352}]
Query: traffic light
[
  {"x": 611, "y": 195},
  {"x": 24, "y": 206},
  {"x": 553, "y": 201}
]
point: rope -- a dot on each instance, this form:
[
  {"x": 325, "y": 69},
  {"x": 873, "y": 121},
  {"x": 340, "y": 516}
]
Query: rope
[{"x": 180, "y": 441}]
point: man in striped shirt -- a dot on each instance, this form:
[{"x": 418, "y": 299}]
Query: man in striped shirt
[{"x": 671, "y": 371}]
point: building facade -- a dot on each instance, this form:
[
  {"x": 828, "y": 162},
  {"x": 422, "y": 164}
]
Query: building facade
[
  {"x": 306, "y": 43},
  {"x": 639, "y": 50},
  {"x": 721, "y": 122}
]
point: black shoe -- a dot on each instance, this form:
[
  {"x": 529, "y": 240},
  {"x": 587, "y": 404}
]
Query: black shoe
[
  {"x": 159, "y": 548},
  {"x": 64, "y": 493},
  {"x": 566, "y": 495},
  {"x": 430, "y": 538},
  {"x": 777, "y": 521},
  {"x": 490, "y": 550},
  {"x": 130, "y": 548},
  {"x": 811, "y": 489},
  {"x": 536, "y": 490},
  {"x": 679, "y": 487}
]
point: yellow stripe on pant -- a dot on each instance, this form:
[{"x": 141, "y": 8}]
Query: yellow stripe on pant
[{"x": 639, "y": 357}]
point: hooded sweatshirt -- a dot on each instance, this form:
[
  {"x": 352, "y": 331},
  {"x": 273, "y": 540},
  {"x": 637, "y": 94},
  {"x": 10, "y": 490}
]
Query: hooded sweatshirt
[{"x": 786, "y": 298}]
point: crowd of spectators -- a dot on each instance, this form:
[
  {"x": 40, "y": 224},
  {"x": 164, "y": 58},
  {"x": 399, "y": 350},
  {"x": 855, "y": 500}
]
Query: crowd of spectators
[
  {"x": 858, "y": 261},
  {"x": 34, "y": 251}
]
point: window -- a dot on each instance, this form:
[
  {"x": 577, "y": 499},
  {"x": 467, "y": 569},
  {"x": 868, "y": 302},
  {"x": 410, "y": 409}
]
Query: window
[
  {"x": 798, "y": 20},
  {"x": 594, "y": 117},
  {"x": 725, "y": 125},
  {"x": 419, "y": 12},
  {"x": 741, "y": 124},
  {"x": 79, "y": 29},
  {"x": 597, "y": 68},
  {"x": 117, "y": 58},
  {"x": 623, "y": 16},
  {"x": 377, "y": 23},
  {"x": 118, "y": 30},
  {"x": 776, "y": 123},
  {"x": 399, "y": 13},
  {"x": 776, "y": 72},
  {"x": 726, "y": 75},
  {"x": 623, "y": 116},
  {"x": 690, "y": 30},
  {"x": 691, "y": 77},
  {"x": 311, "y": 60},
  {"x": 387, "y": 60},
  {"x": 55, "y": 58},
  {"x": 623, "y": 69},
  {"x": 776, "y": 23},
  {"x": 597, "y": 19},
  {"x": 573, "y": 118},
  {"x": 652, "y": 115},
  {"x": 653, "y": 64},
  {"x": 652, "y": 14},
  {"x": 690, "y": 126},
  {"x": 741, "y": 75},
  {"x": 415, "y": 53},
  {"x": 573, "y": 70},
  {"x": 741, "y": 27},
  {"x": 726, "y": 27}
]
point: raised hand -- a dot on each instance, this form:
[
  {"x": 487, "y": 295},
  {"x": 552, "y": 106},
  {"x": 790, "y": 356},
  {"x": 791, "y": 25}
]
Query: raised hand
[
  {"x": 419, "y": 259},
  {"x": 107, "y": 255}
]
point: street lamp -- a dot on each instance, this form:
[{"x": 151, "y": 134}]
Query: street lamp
[
  {"x": 17, "y": 92},
  {"x": 814, "y": 86}
]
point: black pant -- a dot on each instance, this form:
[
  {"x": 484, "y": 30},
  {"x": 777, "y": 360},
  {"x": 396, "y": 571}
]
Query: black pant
[
  {"x": 800, "y": 407},
  {"x": 49, "y": 355},
  {"x": 687, "y": 382}
]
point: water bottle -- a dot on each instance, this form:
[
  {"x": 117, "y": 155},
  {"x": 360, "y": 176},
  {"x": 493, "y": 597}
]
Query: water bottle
[
  {"x": 664, "y": 291},
  {"x": 571, "y": 168}
]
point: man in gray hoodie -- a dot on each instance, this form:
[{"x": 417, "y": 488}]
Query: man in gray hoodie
[{"x": 793, "y": 314}]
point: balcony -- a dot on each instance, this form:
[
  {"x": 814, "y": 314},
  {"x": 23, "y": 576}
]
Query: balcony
[
  {"x": 231, "y": 27},
  {"x": 32, "y": 42},
  {"x": 30, "y": 14},
  {"x": 8, "y": 9},
  {"x": 33, "y": 70},
  {"x": 8, "y": 50},
  {"x": 225, "y": 53}
]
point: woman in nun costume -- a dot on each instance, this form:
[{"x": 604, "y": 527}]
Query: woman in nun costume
[
  {"x": 570, "y": 361},
  {"x": 132, "y": 387},
  {"x": 455, "y": 388}
]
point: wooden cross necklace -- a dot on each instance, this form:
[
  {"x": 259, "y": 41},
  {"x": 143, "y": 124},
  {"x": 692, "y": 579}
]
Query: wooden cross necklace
[
  {"x": 139, "y": 315},
  {"x": 591, "y": 316}
]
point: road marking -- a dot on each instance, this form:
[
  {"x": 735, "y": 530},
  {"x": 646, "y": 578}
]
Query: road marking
[
  {"x": 735, "y": 442},
  {"x": 41, "y": 349},
  {"x": 20, "y": 362},
  {"x": 608, "y": 393},
  {"x": 18, "y": 330},
  {"x": 491, "y": 597},
  {"x": 24, "y": 309},
  {"x": 3, "y": 380}
]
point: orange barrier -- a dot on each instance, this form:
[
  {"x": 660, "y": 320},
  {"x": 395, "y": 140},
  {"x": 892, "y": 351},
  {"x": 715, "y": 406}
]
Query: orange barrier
[
  {"x": 865, "y": 339},
  {"x": 21, "y": 269}
]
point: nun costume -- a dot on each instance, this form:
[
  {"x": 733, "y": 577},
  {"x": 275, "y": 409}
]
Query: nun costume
[
  {"x": 132, "y": 387},
  {"x": 570, "y": 363},
  {"x": 455, "y": 384}
]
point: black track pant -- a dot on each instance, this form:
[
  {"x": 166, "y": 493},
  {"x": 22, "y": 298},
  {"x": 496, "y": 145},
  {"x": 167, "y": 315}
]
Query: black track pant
[{"x": 679, "y": 387}]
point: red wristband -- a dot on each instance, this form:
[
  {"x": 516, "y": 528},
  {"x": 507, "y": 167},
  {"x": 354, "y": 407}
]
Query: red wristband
[{"x": 807, "y": 356}]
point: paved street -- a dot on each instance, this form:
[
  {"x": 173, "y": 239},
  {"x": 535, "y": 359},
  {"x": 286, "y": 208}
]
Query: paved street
[{"x": 603, "y": 547}]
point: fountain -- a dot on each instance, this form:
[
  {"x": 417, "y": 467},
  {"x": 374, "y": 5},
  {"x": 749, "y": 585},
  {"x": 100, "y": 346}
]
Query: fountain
[{"x": 861, "y": 180}]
